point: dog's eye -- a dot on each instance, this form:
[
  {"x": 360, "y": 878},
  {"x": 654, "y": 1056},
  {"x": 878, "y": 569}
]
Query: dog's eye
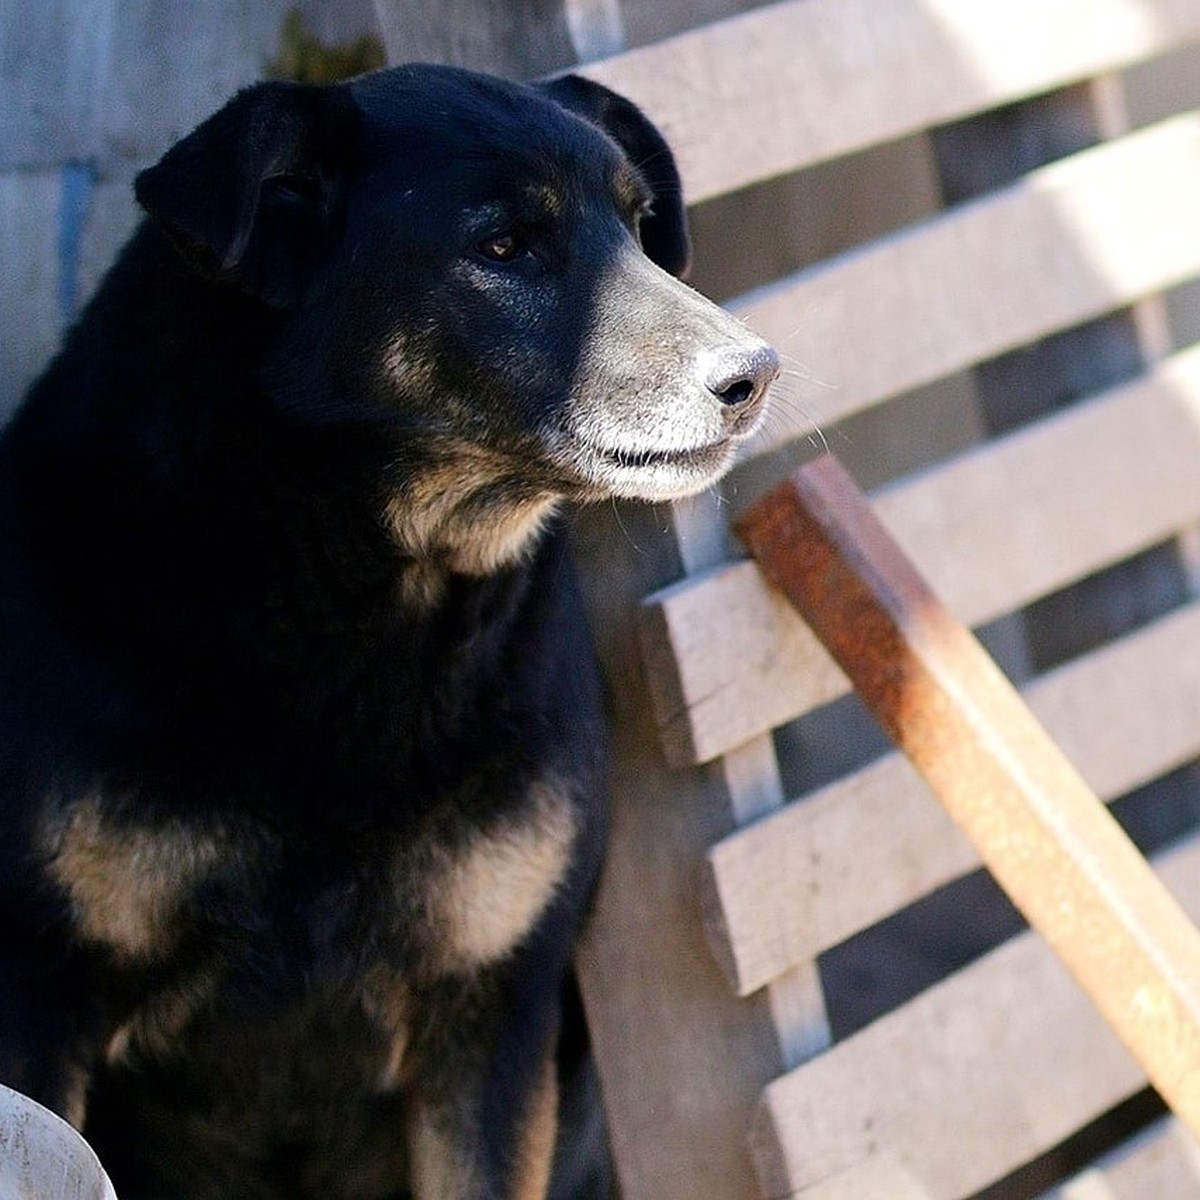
[
  {"x": 294, "y": 189},
  {"x": 501, "y": 247}
]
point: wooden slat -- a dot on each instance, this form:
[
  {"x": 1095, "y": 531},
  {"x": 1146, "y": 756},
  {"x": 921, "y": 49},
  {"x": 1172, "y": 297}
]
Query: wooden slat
[
  {"x": 1009, "y": 1046},
  {"x": 1067, "y": 243},
  {"x": 750, "y": 774},
  {"x": 727, "y": 659},
  {"x": 879, "y": 1177},
  {"x": 786, "y": 888},
  {"x": 797, "y": 83}
]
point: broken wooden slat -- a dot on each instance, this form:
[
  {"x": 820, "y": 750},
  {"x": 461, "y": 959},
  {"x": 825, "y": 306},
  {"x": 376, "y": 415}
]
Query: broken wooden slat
[
  {"x": 727, "y": 659},
  {"x": 794, "y": 84},
  {"x": 786, "y": 888},
  {"x": 1010, "y": 1046},
  {"x": 1039, "y": 829}
]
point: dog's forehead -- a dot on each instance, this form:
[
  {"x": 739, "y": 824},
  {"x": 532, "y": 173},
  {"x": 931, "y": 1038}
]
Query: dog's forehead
[{"x": 444, "y": 115}]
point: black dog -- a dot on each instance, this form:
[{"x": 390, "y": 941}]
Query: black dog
[{"x": 301, "y": 746}]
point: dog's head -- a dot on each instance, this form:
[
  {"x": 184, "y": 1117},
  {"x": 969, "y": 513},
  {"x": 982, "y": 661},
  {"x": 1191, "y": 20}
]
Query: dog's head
[{"x": 483, "y": 270}]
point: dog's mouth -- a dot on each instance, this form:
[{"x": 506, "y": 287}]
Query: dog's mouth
[
  {"x": 639, "y": 473},
  {"x": 714, "y": 454}
]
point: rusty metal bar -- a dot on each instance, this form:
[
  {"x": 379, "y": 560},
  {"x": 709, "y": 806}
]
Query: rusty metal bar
[{"x": 1049, "y": 842}]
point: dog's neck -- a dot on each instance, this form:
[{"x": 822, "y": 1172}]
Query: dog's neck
[{"x": 459, "y": 534}]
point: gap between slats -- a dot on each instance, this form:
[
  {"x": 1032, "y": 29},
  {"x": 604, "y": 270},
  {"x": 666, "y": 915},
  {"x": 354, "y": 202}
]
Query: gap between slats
[
  {"x": 992, "y": 531},
  {"x": 1009, "y": 1046}
]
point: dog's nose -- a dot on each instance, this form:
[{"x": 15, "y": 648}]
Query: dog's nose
[{"x": 740, "y": 377}]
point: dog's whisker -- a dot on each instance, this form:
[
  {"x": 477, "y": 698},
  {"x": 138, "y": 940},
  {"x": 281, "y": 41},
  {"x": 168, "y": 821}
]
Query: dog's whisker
[{"x": 630, "y": 541}]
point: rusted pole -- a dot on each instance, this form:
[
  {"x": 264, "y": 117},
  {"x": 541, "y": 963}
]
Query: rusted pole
[{"x": 1049, "y": 842}]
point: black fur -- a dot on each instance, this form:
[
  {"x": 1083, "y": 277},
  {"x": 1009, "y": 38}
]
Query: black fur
[{"x": 301, "y": 749}]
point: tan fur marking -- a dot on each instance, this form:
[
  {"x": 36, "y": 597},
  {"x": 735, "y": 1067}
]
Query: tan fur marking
[
  {"x": 127, "y": 883},
  {"x": 437, "y": 1163},
  {"x": 504, "y": 539},
  {"x": 406, "y": 364},
  {"x": 536, "y": 1154},
  {"x": 490, "y": 894},
  {"x": 436, "y": 518}
]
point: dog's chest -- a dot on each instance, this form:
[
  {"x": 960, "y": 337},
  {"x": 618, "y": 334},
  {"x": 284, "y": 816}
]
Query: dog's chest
[{"x": 220, "y": 908}]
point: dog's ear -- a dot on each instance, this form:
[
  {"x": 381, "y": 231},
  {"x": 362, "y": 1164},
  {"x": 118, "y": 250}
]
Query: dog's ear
[
  {"x": 252, "y": 194},
  {"x": 665, "y": 230}
]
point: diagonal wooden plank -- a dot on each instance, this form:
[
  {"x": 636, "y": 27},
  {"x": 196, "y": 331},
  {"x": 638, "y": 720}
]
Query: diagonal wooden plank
[{"x": 1039, "y": 829}]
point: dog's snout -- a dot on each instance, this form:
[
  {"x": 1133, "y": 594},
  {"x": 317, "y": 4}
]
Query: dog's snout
[{"x": 740, "y": 377}]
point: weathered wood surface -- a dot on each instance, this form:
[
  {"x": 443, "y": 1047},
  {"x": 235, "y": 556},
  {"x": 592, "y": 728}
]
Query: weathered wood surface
[
  {"x": 1065, "y": 244},
  {"x": 521, "y": 41},
  {"x": 1009, "y": 1046},
  {"x": 1040, "y": 830},
  {"x": 879, "y": 1177},
  {"x": 682, "y": 1059},
  {"x": 796, "y": 83},
  {"x": 1059, "y": 204}
]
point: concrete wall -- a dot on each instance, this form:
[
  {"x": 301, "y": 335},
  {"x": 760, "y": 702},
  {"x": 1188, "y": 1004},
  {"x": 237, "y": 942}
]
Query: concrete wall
[{"x": 92, "y": 91}]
